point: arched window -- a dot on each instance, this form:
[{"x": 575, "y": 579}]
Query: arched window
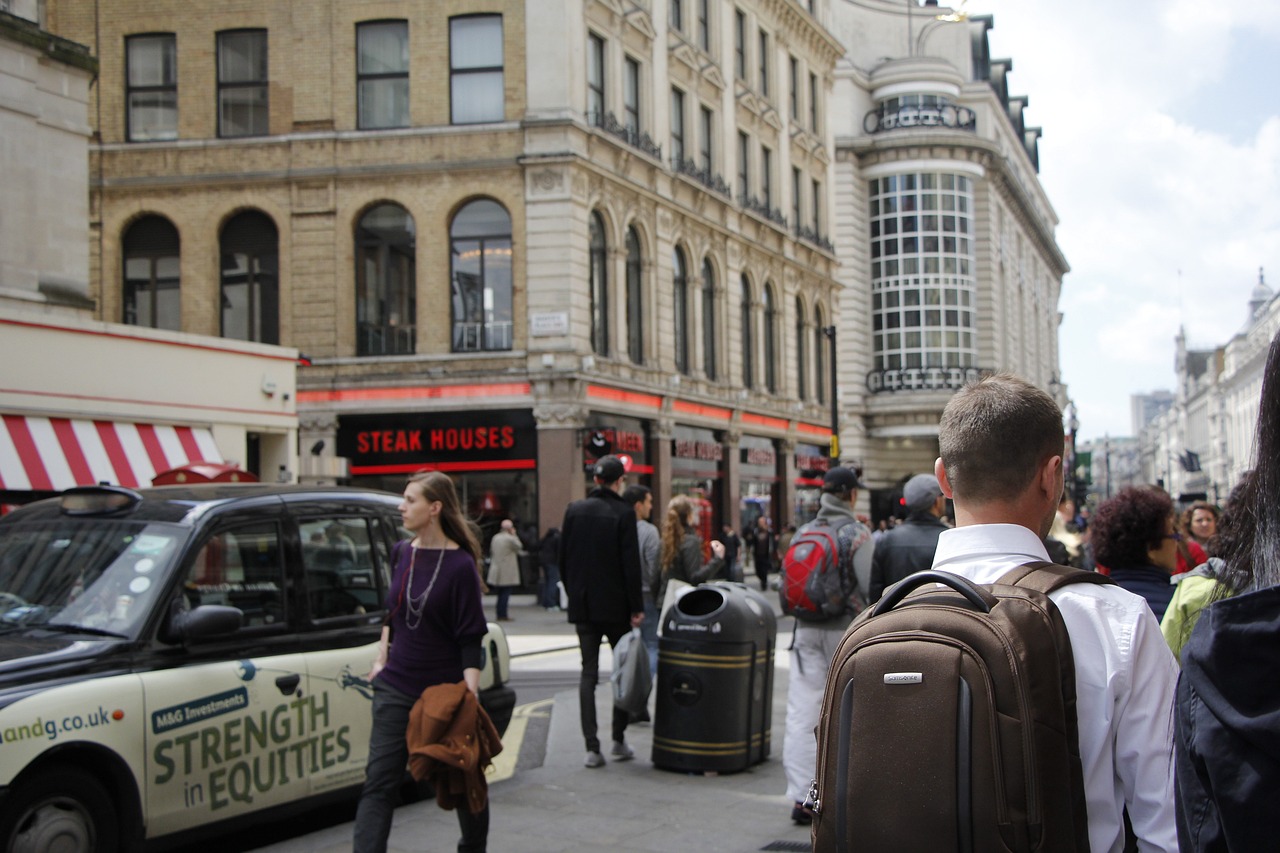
[
  {"x": 386, "y": 302},
  {"x": 820, "y": 349},
  {"x": 635, "y": 299},
  {"x": 802, "y": 353},
  {"x": 709, "y": 366},
  {"x": 748, "y": 338},
  {"x": 151, "y": 278},
  {"x": 480, "y": 249},
  {"x": 770, "y": 340},
  {"x": 599, "y": 273},
  {"x": 250, "y": 278},
  {"x": 680, "y": 297}
]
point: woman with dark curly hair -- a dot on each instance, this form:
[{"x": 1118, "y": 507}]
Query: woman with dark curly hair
[{"x": 1133, "y": 536}]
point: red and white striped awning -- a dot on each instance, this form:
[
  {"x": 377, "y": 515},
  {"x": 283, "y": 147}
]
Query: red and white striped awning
[{"x": 52, "y": 454}]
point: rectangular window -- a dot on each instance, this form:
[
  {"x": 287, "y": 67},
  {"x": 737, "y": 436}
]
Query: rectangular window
[
  {"x": 475, "y": 69},
  {"x": 382, "y": 74},
  {"x": 744, "y": 167},
  {"x": 740, "y": 45},
  {"x": 675, "y": 15},
  {"x": 631, "y": 94},
  {"x": 595, "y": 79},
  {"x": 677, "y": 126},
  {"x": 706, "y": 140},
  {"x": 764, "y": 63},
  {"x": 704, "y": 25},
  {"x": 242, "y": 83},
  {"x": 151, "y": 72},
  {"x": 795, "y": 196},
  {"x": 766, "y": 177},
  {"x": 795, "y": 89},
  {"x": 816, "y": 200},
  {"x": 813, "y": 102}
]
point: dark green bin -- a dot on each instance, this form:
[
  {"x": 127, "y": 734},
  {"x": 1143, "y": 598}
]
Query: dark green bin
[{"x": 714, "y": 707}]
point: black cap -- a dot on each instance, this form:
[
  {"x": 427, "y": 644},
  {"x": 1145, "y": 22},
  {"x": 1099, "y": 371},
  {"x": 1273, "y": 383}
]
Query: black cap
[
  {"x": 842, "y": 479},
  {"x": 608, "y": 469}
]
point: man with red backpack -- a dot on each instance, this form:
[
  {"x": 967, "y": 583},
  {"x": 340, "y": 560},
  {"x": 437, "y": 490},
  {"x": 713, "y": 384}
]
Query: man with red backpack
[{"x": 825, "y": 576}]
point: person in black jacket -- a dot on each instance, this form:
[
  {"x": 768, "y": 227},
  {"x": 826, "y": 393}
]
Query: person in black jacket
[
  {"x": 1228, "y": 713},
  {"x": 600, "y": 567},
  {"x": 1133, "y": 536},
  {"x": 909, "y": 547}
]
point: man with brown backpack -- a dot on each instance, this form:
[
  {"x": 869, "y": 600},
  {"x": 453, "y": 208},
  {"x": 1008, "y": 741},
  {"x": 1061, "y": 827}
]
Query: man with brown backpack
[{"x": 1026, "y": 708}]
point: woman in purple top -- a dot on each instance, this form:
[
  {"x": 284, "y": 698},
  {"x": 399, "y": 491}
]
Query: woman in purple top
[{"x": 432, "y": 635}]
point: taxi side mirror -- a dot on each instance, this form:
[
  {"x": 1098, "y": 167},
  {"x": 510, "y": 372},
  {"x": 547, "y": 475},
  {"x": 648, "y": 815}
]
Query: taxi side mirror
[{"x": 204, "y": 622}]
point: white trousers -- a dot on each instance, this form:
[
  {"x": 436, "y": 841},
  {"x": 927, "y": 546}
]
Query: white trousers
[{"x": 814, "y": 648}]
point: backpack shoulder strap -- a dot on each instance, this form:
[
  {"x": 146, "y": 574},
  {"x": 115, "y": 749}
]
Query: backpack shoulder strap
[{"x": 1046, "y": 577}]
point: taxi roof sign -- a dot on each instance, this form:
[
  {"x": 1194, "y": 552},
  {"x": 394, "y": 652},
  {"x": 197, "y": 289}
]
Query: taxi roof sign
[{"x": 98, "y": 500}]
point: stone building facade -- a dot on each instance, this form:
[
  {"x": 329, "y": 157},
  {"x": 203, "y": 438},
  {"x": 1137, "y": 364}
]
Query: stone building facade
[
  {"x": 506, "y": 236},
  {"x": 946, "y": 237}
]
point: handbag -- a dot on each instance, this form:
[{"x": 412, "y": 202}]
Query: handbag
[{"x": 631, "y": 678}]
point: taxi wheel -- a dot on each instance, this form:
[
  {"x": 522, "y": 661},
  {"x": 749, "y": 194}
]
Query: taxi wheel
[{"x": 59, "y": 810}]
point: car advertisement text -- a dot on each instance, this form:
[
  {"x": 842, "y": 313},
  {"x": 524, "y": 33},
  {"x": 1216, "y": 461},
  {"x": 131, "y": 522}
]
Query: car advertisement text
[
  {"x": 245, "y": 754},
  {"x": 53, "y": 727}
]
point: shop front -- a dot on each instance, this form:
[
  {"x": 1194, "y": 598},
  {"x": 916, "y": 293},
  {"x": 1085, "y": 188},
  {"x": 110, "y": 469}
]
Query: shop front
[
  {"x": 626, "y": 438},
  {"x": 758, "y": 482},
  {"x": 491, "y": 455},
  {"x": 812, "y": 463},
  {"x": 697, "y": 471}
]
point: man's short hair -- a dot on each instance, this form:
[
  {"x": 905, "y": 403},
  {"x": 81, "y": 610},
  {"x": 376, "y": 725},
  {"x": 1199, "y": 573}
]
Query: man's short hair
[
  {"x": 995, "y": 434},
  {"x": 635, "y": 494}
]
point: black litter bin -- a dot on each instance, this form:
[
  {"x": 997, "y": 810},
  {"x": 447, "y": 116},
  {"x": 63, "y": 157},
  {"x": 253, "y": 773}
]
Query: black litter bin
[{"x": 715, "y": 680}]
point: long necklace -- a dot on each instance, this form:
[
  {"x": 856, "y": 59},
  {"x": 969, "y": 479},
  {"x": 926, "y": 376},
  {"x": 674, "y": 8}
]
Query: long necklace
[{"x": 414, "y": 605}]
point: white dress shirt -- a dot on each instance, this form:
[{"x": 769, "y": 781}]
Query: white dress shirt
[{"x": 1125, "y": 681}]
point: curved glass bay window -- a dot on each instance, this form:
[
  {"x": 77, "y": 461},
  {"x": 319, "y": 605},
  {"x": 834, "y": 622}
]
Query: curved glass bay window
[
  {"x": 386, "y": 302},
  {"x": 480, "y": 243},
  {"x": 922, "y": 271}
]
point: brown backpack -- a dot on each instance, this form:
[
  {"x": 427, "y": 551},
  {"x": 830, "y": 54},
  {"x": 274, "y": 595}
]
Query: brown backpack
[{"x": 949, "y": 721}]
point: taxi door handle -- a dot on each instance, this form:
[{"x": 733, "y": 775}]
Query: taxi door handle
[{"x": 288, "y": 683}]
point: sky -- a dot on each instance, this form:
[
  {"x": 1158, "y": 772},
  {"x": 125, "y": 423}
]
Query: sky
[{"x": 1161, "y": 157}]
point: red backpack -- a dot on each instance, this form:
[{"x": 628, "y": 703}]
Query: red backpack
[{"x": 812, "y": 589}]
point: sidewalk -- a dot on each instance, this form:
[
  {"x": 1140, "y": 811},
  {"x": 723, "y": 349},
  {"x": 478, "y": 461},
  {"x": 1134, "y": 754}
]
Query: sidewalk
[{"x": 623, "y": 807}]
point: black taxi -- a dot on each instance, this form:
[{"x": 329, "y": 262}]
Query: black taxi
[{"x": 187, "y": 657}]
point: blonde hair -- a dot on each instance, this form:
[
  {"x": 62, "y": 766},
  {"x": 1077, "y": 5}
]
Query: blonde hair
[{"x": 679, "y": 509}]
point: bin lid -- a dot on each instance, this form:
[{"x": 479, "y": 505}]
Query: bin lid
[{"x": 722, "y": 612}]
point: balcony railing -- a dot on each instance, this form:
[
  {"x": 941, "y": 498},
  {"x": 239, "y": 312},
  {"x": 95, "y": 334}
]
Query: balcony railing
[
  {"x": 706, "y": 177},
  {"x": 761, "y": 208},
  {"x": 609, "y": 123},
  {"x": 894, "y": 117},
  {"x": 375, "y": 339},
  {"x": 809, "y": 235},
  {"x": 924, "y": 378},
  {"x": 481, "y": 337}
]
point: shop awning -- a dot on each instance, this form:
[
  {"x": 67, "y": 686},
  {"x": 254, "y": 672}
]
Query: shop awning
[{"x": 52, "y": 454}]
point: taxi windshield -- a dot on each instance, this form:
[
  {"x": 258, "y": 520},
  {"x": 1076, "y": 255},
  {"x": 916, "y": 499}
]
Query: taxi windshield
[{"x": 96, "y": 574}]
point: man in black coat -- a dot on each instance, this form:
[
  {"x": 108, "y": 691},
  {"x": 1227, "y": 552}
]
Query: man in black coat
[
  {"x": 909, "y": 547},
  {"x": 600, "y": 567}
]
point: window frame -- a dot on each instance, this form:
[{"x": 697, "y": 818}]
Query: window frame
[
  {"x": 710, "y": 366},
  {"x": 492, "y": 336},
  {"x": 746, "y": 315},
  {"x": 363, "y": 27},
  {"x": 770, "y": 342},
  {"x": 263, "y": 84},
  {"x": 766, "y": 176},
  {"x": 744, "y": 166},
  {"x": 150, "y": 249},
  {"x": 763, "y": 62},
  {"x": 262, "y": 296},
  {"x": 598, "y": 282},
  {"x": 635, "y": 296},
  {"x": 795, "y": 89},
  {"x": 740, "y": 45},
  {"x": 597, "y": 104},
  {"x": 632, "y": 107},
  {"x": 704, "y": 25},
  {"x": 678, "y": 107},
  {"x": 390, "y": 258},
  {"x": 706, "y": 142},
  {"x": 169, "y": 57},
  {"x": 680, "y": 306},
  {"x": 802, "y": 347},
  {"x": 456, "y": 72}
]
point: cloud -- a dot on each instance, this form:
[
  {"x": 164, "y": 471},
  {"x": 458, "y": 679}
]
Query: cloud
[{"x": 1161, "y": 156}]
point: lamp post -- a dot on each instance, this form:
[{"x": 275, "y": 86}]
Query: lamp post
[
  {"x": 1073, "y": 424},
  {"x": 834, "y": 451}
]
